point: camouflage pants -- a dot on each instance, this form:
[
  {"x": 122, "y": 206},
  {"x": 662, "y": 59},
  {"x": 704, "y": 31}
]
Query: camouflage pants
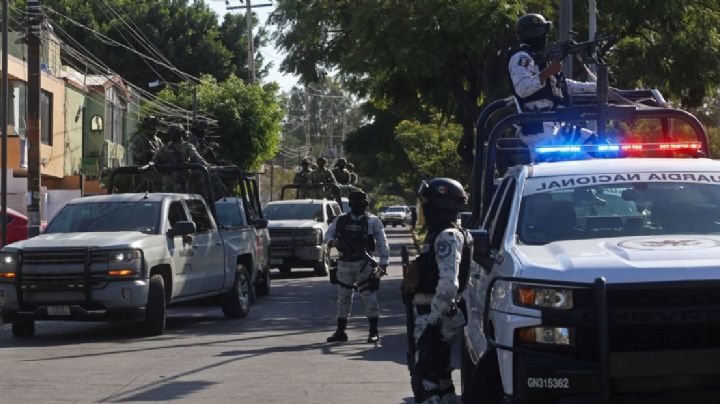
[{"x": 351, "y": 273}]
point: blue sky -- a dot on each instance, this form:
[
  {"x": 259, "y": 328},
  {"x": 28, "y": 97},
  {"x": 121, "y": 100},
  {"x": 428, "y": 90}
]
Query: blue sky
[{"x": 270, "y": 54}]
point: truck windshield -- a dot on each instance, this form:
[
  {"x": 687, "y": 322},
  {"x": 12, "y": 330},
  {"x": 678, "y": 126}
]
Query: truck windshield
[
  {"x": 552, "y": 212},
  {"x": 294, "y": 211},
  {"x": 396, "y": 209},
  {"x": 107, "y": 217}
]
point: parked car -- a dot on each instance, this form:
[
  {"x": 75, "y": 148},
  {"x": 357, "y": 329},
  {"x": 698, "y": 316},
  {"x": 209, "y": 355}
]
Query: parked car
[
  {"x": 395, "y": 215},
  {"x": 17, "y": 226},
  {"x": 297, "y": 233}
]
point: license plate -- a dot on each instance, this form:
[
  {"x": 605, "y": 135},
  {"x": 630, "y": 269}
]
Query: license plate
[
  {"x": 276, "y": 261},
  {"x": 58, "y": 310}
]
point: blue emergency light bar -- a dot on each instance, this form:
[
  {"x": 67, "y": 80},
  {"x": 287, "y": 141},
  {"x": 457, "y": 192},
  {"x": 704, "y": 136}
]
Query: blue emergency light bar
[{"x": 632, "y": 148}]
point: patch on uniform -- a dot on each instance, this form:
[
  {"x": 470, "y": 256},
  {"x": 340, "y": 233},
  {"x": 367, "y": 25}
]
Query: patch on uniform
[
  {"x": 443, "y": 249},
  {"x": 524, "y": 61}
]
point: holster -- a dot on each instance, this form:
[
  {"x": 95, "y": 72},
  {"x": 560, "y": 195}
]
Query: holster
[{"x": 333, "y": 276}]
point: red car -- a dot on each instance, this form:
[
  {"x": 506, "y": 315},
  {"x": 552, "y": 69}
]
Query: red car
[{"x": 17, "y": 226}]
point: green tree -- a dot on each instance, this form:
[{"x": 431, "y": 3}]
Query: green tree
[
  {"x": 182, "y": 33},
  {"x": 248, "y": 117}
]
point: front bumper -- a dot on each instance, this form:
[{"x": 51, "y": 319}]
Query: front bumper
[
  {"x": 691, "y": 376},
  {"x": 121, "y": 300},
  {"x": 295, "y": 255},
  {"x": 634, "y": 343}
]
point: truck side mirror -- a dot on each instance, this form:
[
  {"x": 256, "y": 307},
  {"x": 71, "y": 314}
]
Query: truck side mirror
[
  {"x": 481, "y": 244},
  {"x": 260, "y": 223},
  {"x": 182, "y": 228}
]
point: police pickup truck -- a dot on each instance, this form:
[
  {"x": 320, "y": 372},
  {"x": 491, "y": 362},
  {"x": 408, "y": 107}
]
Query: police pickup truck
[
  {"x": 595, "y": 275},
  {"x": 126, "y": 257}
]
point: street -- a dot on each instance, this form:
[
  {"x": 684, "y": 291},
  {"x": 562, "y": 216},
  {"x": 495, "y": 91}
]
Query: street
[{"x": 277, "y": 354}]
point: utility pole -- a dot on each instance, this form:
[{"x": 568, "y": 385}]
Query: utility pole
[
  {"x": 565, "y": 26},
  {"x": 250, "y": 43},
  {"x": 34, "y": 29},
  {"x": 306, "y": 122},
  {"x": 4, "y": 120},
  {"x": 592, "y": 25}
]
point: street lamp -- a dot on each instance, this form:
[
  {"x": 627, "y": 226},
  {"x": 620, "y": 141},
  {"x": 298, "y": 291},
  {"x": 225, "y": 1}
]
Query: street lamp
[{"x": 160, "y": 83}]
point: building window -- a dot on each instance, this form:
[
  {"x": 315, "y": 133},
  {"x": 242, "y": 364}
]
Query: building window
[
  {"x": 46, "y": 103},
  {"x": 115, "y": 116}
]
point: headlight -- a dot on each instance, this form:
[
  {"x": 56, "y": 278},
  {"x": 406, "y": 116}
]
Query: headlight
[
  {"x": 124, "y": 256},
  {"x": 7, "y": 265},
  {"x": 543, "y": 297},
  {"x": 545, "y": 335}
]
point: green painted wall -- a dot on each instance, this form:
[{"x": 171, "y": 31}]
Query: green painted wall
[
  {"x": 74, "y": 105},
  {"x": 94, "y": 105}
]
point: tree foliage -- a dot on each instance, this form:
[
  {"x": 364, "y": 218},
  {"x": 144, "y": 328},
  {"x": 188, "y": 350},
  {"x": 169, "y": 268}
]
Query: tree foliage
[
  {"x": 449, "y": 56},
  {"x": 185, "y": 32},
  {"x": 248, "y": 117}
]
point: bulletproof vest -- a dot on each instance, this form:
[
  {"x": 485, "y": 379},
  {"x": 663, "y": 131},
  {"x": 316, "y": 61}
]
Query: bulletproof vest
[
  {"x": 546, "y": 93},
  {"x": 174, "y": 155},
  {"x": 353, "y": 236},
  {"x": 429, "y": 273}
]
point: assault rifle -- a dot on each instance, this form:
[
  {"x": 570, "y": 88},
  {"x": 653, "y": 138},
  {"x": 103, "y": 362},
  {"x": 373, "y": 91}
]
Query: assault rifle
[{"x": 559, "y": 50}]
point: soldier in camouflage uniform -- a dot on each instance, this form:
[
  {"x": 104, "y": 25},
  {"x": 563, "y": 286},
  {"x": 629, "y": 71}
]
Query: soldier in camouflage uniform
[
  {"x": 206, "y": 149},
  {"x": 342, "y": 175},
  {"x": 177, "y": 151},
  {"x": 303, "y": 177},
  {"x": 353, "y": 174},
  {"x": 322, "y": 176},
  {"x": 442, "y": 275},
  {"x": 146, "y": 144}
]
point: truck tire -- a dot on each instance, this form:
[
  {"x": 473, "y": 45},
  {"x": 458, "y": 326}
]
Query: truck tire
[
  {"x": 156, "y": 305},
  {"x": 481, "y": 383},
  {"x": 236, "y": 301},
  {"x": 23, "y": 328},
  {"x": 321, "y": 268},
  {"x": 262, "y": 287}
]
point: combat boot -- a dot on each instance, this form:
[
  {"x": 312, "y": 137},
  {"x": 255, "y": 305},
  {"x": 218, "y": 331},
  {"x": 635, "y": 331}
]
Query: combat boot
[
  {"x": 339, "y": 335},
  {"x": 373, "y": 336}
]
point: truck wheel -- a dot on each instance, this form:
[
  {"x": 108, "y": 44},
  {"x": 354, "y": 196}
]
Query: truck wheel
[
  {"x": 322, "y": 267},
  {"x": 481, "y": 383},
  {"x": 155, "y": 311},
  {"x": 236, "y": 301},
  {"x": 262, "y": 287},
  {"x": 23, "y": 328}
]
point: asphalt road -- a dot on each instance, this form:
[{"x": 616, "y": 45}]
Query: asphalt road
[{"x": 277, "y": 354}]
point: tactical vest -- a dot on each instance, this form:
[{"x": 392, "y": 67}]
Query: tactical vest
[
  {"x": 545, "y": 93},
  {"x": 353, "y": 237},
  {"x": 429, "y": 273}
]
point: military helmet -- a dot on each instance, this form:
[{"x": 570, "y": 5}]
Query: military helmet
[
  {"x": 321, "y": 159},
  {"x": 341, "y": 162},
  {"x": 305, "y": 162},
  {"x": 443, "y": 193},
  {"x": 176, "y": 132},
  {"x": 199, "y": 124},
  {"x": 150, "y": 121},
  {"x": 350, "y": 166},
  {"x": 532, "y": 26}
]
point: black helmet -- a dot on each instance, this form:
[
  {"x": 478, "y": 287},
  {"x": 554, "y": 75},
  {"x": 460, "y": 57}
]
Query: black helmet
[
  {"x": 150, "y": 121},
  {"x": 350, "y": 166},
  {"x": 176, "y": 132},
  {"x": 358, "y": 202},
  {"x": 443, "y": 194},
  {"x": 199, "y": 124},
  {"x": 532, "y": 26},
  {"x": 321, "y": 159},
  {"x": 341, "y": 163},
  {"x": 305, "y": 162}
]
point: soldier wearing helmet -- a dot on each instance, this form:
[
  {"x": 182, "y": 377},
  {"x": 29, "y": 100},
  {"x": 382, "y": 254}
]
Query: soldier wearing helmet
[
  {"x": 146, "y": 144},
  {"x": 177, "y": 152},
  {"x": 539, "y": 86},
  {"x": 342, "y": 175},
  {"x": 357, "y": 235},
  {"x": 322, "y": 176},
  {"x": 353, "y": 174},
  {"x": 442, "y": 274},
  {"x": 208, "y": 150},
  {"x": 303, "y": 177}
]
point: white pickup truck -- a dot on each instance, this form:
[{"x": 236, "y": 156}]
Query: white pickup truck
[{"x": 127, "y": 257}]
